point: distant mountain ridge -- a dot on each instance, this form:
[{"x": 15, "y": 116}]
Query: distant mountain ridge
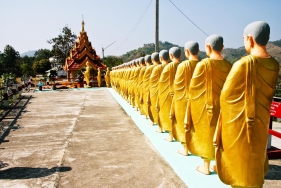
[
  {"x": 28, "y": 53},
  {"x": 230, "y": 54}
]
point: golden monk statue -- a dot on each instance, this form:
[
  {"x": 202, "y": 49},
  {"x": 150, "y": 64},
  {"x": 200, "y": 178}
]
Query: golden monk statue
[
  {"x": 125, "y": 81},
  {"x": 242, "y": 132},
  {"x": 153, "y": 82},
  {"x": 204, "y": 104},
  {"x": 134, "y": 80},
  {"x": 166, "y": 92},
  {"x": 140, "y": 82},
  {"x": 131, "y": 82},
  {"x": 135, "y": 85},
  {"x": 87, "y": 74},
  {"x": 145, "y": 83},
  {"x": 181, "y": 92},
  {"x": 99, "y": 77},
  {"x": 107, "y": 77},
  {"x": 153, "y": 87}
]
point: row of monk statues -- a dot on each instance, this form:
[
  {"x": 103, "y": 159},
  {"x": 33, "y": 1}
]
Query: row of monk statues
[
  {"x": 87, "y": 76},
  {"x": 217, "y": 110}
]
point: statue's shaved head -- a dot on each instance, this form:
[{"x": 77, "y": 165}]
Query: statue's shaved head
[
  {"x": 164, "y": 54},
  {"x": 155, "y": 56},
  {"x": 215, "y": 41},
  {"x": 175, "y": 51},
  {"x": 147, "y": 58},
  {"x": 192, "y": 46},
  {"x": 259, "y": 30},
  {"x": 141, "y": 60}
]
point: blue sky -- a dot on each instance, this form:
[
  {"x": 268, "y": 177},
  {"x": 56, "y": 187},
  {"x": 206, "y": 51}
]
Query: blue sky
[{"x": 28, "y": 24}]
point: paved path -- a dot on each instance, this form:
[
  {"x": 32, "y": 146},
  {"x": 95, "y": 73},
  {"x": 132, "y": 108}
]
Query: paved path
[
  {"x": 80, "y": 139},
  {"x": 85, "y": 139}
]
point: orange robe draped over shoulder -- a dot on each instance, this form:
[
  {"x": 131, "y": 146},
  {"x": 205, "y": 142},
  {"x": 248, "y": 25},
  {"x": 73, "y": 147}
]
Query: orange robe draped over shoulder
[
  {"x": 153, "y": 92},
  {"x": 242, "y": 132},
  {"x": 165, "y": 94},
  {"x": 181, "y": 97},
  {"x": 204, "y": 105},
  {"x": 145, "y": 88}
]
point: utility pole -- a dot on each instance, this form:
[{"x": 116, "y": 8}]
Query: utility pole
[
  {"x": 105, "y": 48},
  {"x": 157, "y": 26}
]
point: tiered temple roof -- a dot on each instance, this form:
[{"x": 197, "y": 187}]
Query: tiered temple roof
[{"x": 81, "y": 53}]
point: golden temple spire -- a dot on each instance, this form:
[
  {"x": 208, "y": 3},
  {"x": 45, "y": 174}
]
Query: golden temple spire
[{"x": 83, "y": 23}]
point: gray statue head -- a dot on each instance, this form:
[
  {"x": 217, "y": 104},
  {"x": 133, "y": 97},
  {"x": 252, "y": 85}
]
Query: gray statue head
[
  {"x": 155, "y": 56},
  {"x": 164, "y": 54},
  {"x": 215, "y": 41},
  {"x": 147, "y": 58},
  {"x": 260, "y": 31},
  {"x": 135, "y": 62},
  {"x": 175, "y": 51},
  {"x": 141, "y": 60},
  {"x": 192, "y": 46}
]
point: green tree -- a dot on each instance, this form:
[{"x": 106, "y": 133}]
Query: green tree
[
  {"x": 112, "y": 61},
  {"x": 62, "y": 44},
  {"x": 9, "y": 61},
  {"x": 26, "y": 64},
  {"x": 40, "y": 67},
  {"x": 42, "y": 54}
]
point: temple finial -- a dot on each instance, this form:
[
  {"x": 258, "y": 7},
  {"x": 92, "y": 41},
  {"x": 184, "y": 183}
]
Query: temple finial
[{"x": 83, "y": 23}]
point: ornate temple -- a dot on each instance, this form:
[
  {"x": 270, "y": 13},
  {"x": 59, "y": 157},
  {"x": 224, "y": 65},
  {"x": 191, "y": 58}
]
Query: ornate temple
[{"x": 80, "y": 54}]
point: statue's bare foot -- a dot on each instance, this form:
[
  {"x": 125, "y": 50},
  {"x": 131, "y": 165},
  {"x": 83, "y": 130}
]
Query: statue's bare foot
[
  {"x": 214, "y": 168},
  {"x": 159, "y": 130},
  {"x": 183, "y": 152},
  {"x": 152, "y": 123},
  {"x": 203, "y": 170},
  {"x": 169, "y": 139}
]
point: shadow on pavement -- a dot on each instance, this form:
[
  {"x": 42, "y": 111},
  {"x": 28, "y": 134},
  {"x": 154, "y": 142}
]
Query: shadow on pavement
[
  {"x": 28, "y": 173},
  {"x": 273, "y": 173}
]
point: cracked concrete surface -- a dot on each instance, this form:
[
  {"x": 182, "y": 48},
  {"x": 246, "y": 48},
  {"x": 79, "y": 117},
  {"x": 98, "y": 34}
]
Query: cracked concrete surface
[{"x": 80, "y": 139}]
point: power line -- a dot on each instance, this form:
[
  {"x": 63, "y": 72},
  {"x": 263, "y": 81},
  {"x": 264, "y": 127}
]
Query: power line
[
  {"x": 135, "y": 26},
  {"x": 188, "y": 18}
]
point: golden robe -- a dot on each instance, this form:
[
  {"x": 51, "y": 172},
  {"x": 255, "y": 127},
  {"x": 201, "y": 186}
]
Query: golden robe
[
  {"x": 125, "y": 83},
  {"x": 153, "y": 92},
  {"x": 145, "y": 88},
  {"x": 134, "y": 79},
  {"x": 99, "y": 78},
  {"x": 87, "y": 75},
  {"x": 181, "y": 97},
  {"x": 135, "y": 85},
  {"x": 242, "y": 131},
  {"x": 131, "y": 86},
  {"x": 107, "y": 78},
  {"x": 204, "y": 105},
  {"x": 139, "y": 91},
  {"x": 165, "y": 95}
]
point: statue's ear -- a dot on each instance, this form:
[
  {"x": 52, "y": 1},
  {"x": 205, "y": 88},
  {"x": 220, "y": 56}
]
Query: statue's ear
[
  {"x": 187, "y": 53},
  {"x": 171, "y": 56},
  {"x": 251, "y": 40}
]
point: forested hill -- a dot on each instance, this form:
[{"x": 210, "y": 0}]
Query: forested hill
[{"x": 231, "y": 54}]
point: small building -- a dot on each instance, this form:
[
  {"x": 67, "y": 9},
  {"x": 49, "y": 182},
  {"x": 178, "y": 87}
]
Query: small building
[{"x": 80, "y": 54}]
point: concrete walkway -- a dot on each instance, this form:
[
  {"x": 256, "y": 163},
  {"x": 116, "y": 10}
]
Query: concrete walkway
[
  {"x": 85, "y": 139},
  {"x": 80, "y": 139}
]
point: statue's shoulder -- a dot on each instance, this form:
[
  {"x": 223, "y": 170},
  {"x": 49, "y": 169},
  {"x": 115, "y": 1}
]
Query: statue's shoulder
[
  {"x": 203, "y": 62},
  {"x": 242, "y": 61},
  {"x": 183, "y": 64}
]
